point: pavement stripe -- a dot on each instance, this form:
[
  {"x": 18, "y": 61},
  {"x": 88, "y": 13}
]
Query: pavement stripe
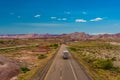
[
  {"x": 72, "y": 70},
  {"x": 51, "y": 65},
  {"x": 60, "y": 73}
]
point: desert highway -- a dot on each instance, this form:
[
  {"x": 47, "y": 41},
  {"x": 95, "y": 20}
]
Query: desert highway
[{"x": 69, "y": 69}]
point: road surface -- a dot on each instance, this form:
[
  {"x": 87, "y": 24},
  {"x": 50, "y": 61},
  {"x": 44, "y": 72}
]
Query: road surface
[{"x": 68, "y": 69}]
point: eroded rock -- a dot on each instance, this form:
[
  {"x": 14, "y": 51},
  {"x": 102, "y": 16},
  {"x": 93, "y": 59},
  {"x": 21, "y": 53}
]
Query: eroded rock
[{"x": 8, "y": 68}]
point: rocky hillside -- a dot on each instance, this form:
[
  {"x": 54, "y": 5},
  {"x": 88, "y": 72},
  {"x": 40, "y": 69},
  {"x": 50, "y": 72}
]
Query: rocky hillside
[
  {"x": 106, "y": 36},
  {"x": 79, "y": 36},
  {"x": 84, "y": 36},
  {"x": 74, "y": 36},
  {"x": 8, "y": 68}
]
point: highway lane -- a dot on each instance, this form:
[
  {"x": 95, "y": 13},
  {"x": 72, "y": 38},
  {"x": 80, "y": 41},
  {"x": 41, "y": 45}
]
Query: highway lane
[{"x": 62, "y": 69}]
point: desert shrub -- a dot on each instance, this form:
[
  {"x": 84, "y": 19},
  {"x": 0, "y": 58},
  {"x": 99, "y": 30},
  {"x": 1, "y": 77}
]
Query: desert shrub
[
  {"x": 116, "y": 69},
  {"x": 50, "y": 45},
  {"x": 1, "y": 41},
  {"x": 53, "y": 45},
  {"x": 25, "y": 69},
  {"x": 89, "y": 59},
  {"x": 109, "y": 47},
  {"x": 104, "y": 64},
  {"x": 113, "y": 59},
  {"x": 42, "y": 56},
  {"x": 72, "y": 48}
]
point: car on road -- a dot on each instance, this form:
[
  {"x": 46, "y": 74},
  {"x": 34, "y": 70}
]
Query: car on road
[{"x": 65, "y": 54}]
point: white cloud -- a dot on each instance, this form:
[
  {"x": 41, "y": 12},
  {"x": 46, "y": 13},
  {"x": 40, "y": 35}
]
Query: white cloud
[
  {"x": 53, "y": 17},
  {"x": 19, "y": 17},
  {"x": 84, "y": 12},
  {"x": 64, "y": 19},
  {"x": 80, "y": 20},
  {"x": 97, "y": 19},
  {"x": 37, "y": 16},
  {"x": 67, "y": 12}
]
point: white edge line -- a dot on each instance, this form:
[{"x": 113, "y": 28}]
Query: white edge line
[{"x": 73, "y": 70}]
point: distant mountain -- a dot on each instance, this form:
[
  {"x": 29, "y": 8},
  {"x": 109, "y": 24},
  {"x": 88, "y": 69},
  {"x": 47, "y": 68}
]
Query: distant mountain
[
  {"x": 79, "y": 36},
  {"x": 27, "y": 36},
  {"x": 107, "y": 36},
  {"x": 72, "y": 36},
  {"x": 84, "y": 36}
]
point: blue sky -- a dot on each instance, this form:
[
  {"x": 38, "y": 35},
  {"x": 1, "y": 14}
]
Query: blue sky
[{"x": 59, "y": 16}]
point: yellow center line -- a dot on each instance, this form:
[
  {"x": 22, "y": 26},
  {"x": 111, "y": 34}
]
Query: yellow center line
[{"x": 51, "y": 67}]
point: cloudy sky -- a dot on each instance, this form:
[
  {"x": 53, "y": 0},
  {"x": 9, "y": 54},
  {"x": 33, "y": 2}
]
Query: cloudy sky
[{"x": 59, "y": 16}]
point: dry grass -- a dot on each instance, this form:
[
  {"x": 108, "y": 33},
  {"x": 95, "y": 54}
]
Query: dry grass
[
  {"x": 27, "y": 56},
  {"x": 38, "y": 68},
  {"x": 87, "y": 52}
]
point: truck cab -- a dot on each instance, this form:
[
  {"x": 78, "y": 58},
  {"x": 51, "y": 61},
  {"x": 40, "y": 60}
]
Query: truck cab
[{"x": 65, "y": 54}]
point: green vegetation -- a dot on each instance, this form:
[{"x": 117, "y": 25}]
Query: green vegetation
[
  {"x": 18, "y": 42},
  {"x": 97, "y": 58},
  {"x": 28, "y": 53},
  {"x": 55, "y": 45},
  {"x": 73, "y": 48},
  {"x": 2, "y": 42},
  {"x": 104, "y": 64},
  {"x": 25, "y": 69},
  {"x": 113, "y": 59},
  {"x": 34, "y": 72},
  {"x": 42, "y": 56}
]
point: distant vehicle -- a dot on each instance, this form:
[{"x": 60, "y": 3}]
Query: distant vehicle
[{"x": 65, "y": 54}]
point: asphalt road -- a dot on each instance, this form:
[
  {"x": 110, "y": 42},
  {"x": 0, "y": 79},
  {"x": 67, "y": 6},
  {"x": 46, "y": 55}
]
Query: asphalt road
[{"x": 62, "y": 69}]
